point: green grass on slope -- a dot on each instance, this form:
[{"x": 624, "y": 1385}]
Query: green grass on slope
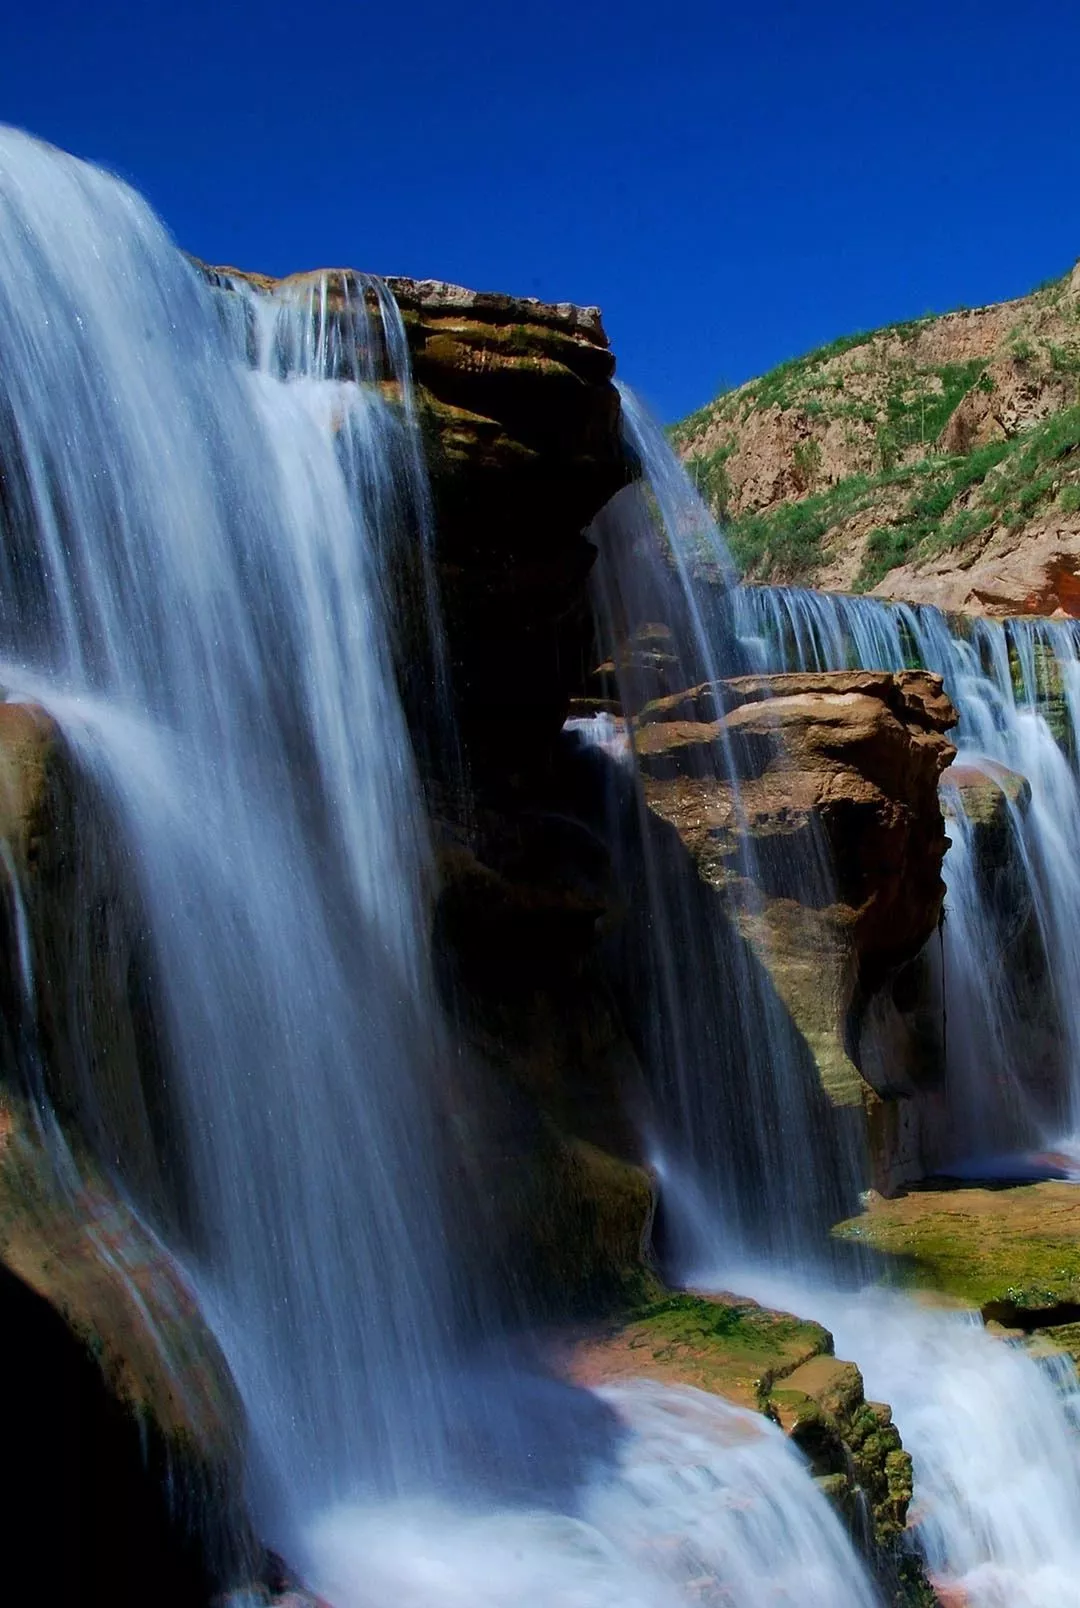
[
  {"x": 1003, "y": 484},
  {"x": 945, "y": 503},
  {"x": 786, "y": 384},
  {"x": 787, "y": 543}
]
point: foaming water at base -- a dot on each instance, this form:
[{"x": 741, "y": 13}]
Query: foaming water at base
[
  {"x": 708, "y": 1505},
  {"x": 991, "y": 1430}
]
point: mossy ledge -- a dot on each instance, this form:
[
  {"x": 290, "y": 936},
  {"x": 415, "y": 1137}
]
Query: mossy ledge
[
  {"x": 1013, "y": 1253},
  {"x": 783, "y": 1367}
]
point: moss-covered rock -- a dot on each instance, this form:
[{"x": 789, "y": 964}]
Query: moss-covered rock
[
  {"x": 782, "y": 1366},
  {"x": 725, "y": 1344},
  {"x": 1013, "y": 1253}
]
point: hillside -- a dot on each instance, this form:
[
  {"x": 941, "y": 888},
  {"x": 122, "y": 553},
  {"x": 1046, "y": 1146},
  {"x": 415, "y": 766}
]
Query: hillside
[{"x": 937, "y": 460}]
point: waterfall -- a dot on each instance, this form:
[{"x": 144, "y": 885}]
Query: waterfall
[
  {"x": 739, "y": 1102},
  {"x": 709, "y": 1503},
  {"x": 991, "y": 1430},
  {"x": 211, "y": 494},
  {"x": 203, "y": 609}
]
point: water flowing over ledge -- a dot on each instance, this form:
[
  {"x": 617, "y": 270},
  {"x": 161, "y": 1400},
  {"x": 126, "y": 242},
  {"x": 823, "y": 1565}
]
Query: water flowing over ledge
[{"x": 361, "y": 1029}]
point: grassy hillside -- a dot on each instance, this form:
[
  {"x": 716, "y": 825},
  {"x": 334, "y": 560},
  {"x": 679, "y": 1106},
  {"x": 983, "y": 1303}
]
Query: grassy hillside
[{"x": 899, "y": 446}]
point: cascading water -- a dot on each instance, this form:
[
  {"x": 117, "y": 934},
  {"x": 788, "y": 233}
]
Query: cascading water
[
  {"x": 991, "y": 1431},
  {"x": 202, "y": 611},
  {"x": 708, "y": 1506},
  {"x": 716, "y": 1035},
  {"x": 1015, "y": 686},
  {"x": 193, "y": 581}
]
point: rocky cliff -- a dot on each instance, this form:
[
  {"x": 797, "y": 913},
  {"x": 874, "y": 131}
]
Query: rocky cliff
[{"x": 936, "y": 461}]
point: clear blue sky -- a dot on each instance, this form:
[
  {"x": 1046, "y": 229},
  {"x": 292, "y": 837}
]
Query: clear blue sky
[{"x": 733, "y": 184}]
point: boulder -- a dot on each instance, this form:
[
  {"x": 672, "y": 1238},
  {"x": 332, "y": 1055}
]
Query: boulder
[{"x": 811, "y": 803}]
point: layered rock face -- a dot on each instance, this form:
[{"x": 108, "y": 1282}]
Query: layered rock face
[
  {"x": 826, "y": 836},
  {"x": 522, "y": 425},
  {"x": 520, "y": 421}
]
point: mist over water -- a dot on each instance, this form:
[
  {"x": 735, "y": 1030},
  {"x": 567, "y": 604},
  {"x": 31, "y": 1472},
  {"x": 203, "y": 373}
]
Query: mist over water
[{"x": 708, "y": 1504}]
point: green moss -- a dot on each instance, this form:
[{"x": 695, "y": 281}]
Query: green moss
[
  {"x": 1017, "y": 1248},
  {"x": 726, "y": 1341}
]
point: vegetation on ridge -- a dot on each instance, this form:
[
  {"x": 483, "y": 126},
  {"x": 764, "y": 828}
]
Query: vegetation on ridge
[{"x": 899, "y": 445}]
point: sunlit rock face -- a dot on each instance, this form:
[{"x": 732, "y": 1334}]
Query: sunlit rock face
[
  {"x": 834, "y": 781},
  {"x": 520, "y": 423}
]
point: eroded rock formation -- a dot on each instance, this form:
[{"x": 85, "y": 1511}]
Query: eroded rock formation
[{"x": 827, "y": 838}]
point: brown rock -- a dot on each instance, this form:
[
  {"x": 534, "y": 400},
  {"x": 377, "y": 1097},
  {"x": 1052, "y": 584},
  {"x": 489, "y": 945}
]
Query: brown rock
[
  {"x": 1033, "y": 570},
  {"x": 834, "y": 818},
  {"x": 521, "y": 424}
]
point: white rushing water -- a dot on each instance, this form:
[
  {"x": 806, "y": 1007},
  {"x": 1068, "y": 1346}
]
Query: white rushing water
[
  {"x": 192, "y": 581},
  {"x": 992, "y": 1434},
  {"x": 709, "y": 1505},
  {"x": 203, "y": 503}
]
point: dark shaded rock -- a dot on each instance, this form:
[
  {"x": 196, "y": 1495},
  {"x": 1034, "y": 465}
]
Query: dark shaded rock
[
  {"x": 124, "y": 1409},
  {"x": 521, "y": 425}
]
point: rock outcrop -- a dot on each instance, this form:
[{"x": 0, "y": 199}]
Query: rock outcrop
[
  {"x": 826, "y": 837},
  {"x": 521, "y": 428},
  {"x": 522, "y": 425},
  {"x": 783, "y": 1367}
]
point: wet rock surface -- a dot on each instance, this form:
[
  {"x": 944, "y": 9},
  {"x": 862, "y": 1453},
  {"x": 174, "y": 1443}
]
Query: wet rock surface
[
  {"x": 784, "y": 1367},
  {"x": 124, "y": 1410},
  {"x": 828, "y": 840}
]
